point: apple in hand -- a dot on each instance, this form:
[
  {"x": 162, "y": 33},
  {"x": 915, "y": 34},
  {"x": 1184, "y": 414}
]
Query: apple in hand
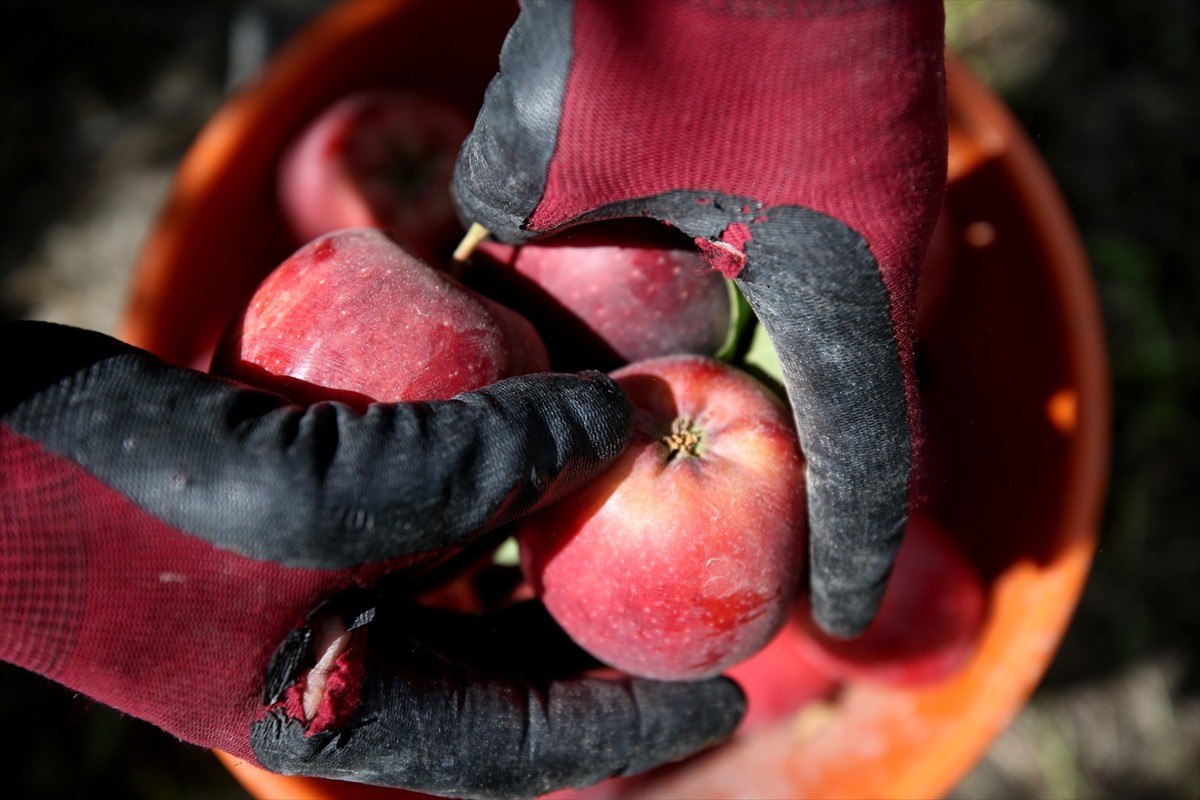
[
  {"x": 354, "y": 317},
  {"x": 684, "y": 558},
  {"x": 928, "y": 622},
  {"x": 379, "y": 158},
  {"x": 606, "y": 294}
]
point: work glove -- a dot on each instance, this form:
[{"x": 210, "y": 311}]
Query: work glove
[
  {"x": 802, "y": 144},
  {"x": 241, "y": 571}
]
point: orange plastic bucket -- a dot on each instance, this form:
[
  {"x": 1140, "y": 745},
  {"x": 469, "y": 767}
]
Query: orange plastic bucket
[{"x": 1011, "y": 353}]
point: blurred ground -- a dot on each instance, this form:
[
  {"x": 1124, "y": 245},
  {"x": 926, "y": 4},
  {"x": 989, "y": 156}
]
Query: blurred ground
[{"x": 99, "y": 101}]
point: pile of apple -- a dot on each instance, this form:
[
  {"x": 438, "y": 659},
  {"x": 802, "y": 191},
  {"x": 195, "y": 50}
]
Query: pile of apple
[{"x": 686, "y": 558}]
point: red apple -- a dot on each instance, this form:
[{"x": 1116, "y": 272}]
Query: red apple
[
  {"x": 382, "y": 159},
  {"x": 607, "y": 294},
  {"x": 353, "y": 316},
  {"x": 684, "y": 558},
  {"x": 928, "y": 623},
  {"x": 778, "y": 680}
]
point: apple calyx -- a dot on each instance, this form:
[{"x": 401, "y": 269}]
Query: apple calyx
[{"x": 683, "y": 440}]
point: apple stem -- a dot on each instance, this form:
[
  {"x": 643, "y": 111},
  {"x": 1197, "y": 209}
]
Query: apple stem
[
  {"x": 475, "y": 234},
  {"x": 682, "y": 440}
]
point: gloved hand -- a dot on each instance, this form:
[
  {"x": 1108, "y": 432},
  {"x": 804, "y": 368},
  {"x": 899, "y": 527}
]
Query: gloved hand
[
  {"x": 802, "y": 144},
  {"x": 237, "y": 570}
]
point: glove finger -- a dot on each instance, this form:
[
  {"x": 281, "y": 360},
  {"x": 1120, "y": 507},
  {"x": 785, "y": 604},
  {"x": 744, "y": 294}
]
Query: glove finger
[
  {"x": 501, "y": 170},
  {"x": 322, "y": 486},
  {"x": 832, "y": 328},
  {"x": 430, "y": 722}
]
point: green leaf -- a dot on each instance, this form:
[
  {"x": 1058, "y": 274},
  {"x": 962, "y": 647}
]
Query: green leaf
[
  {"x": 741, "y": 318},
  {"x": 508, "y": 554},
  {"x": 762, "y": 361}
]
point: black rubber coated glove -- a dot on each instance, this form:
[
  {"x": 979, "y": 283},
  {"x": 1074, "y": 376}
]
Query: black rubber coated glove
[
  {"x": 239, "y": 571},
  {"x": 802, "y": 144}
]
